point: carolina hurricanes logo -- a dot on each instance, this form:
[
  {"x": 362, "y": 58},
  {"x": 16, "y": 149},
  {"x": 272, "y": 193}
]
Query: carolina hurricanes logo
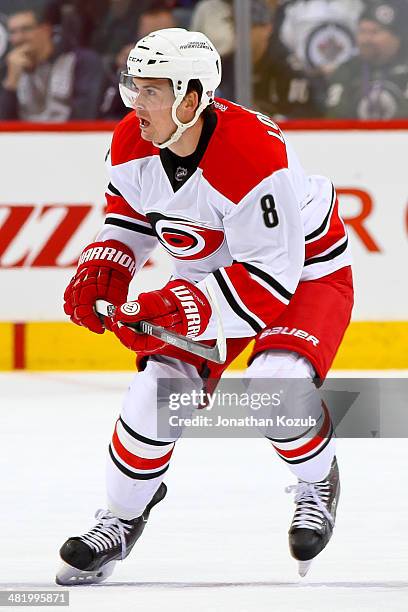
[{"x": 184, "y": 239}]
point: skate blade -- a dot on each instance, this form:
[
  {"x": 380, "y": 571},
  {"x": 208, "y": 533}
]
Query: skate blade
[
  {"x": 71, "y": 576},
  {"x": 303, "y": 567}
]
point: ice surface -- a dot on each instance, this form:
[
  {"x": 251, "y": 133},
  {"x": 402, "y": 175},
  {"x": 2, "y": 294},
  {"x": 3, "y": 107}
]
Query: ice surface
[{"x": 219, "y": 540}]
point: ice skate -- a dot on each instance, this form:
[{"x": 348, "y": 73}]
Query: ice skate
[
  {"x": 314, "y": 517},
  {"x": 91, "y": 558}
]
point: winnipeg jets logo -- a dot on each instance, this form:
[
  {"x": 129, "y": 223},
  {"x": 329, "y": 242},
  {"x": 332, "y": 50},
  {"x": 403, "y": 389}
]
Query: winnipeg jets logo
[
  {"x": 329, "y": 43},
  {"x": 380, "y": 102},
  {"x": 185, "y": 239}
]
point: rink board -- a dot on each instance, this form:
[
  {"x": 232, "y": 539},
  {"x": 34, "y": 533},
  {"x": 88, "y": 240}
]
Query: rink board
[
  {"x": 47, "y": 218},
  {"x": 63, "y": 346}
]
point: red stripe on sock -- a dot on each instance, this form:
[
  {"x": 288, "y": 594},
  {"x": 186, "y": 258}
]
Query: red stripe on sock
[
  {"x": 313, "y": 443},
  {"x": 19, "y": 357},
  {"x": 134, "y": 461}
]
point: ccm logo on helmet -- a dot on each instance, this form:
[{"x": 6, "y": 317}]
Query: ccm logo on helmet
[
  {"x": 110, "y": 254},
  {"x": 285, "y": 331},
  {"x": 190, "y": 309}
]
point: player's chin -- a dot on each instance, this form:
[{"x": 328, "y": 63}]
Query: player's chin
[{"x": 146, "y": 135}]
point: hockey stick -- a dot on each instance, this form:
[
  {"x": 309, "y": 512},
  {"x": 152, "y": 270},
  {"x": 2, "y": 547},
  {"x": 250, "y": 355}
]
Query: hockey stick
[{"x": 217, "y": 353}]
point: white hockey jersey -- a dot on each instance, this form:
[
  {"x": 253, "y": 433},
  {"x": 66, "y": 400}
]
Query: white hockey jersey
[{"x": 249, "y": 220}]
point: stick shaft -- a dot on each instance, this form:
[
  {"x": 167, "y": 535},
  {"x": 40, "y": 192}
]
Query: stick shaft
[{"x": 105, "y": 309}]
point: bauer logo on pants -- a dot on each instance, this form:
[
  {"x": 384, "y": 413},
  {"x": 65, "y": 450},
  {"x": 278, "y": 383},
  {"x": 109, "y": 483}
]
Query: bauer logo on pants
[
  {"x": 130, "y": 308},
  {"x": 293, "y": 331}
]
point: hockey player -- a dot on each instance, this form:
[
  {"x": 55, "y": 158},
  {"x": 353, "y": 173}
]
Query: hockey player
[{"x": 221, "y": 190}]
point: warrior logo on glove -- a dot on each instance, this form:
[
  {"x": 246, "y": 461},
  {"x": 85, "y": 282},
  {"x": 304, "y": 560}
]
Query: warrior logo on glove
[
  {"x": 180, "y": 307},
  {"x": 190, "y": 309},
  {"x": 104, "y": 272}
]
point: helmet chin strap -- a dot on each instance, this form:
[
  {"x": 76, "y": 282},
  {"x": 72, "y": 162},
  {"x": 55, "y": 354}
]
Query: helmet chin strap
[{"x": 181, "y": 127}]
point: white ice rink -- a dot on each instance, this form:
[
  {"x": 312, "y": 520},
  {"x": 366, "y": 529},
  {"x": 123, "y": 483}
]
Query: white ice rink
[{"x": 219, "y": 540}]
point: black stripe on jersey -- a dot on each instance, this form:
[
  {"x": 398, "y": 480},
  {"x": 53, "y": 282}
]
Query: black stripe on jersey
[
  {"x": 319, "y": 450},
  {"x": 233, "y": 303},
  {"x": 302, "y": 435},
  {"x": 269, "y": 280},
  {"x": 130, "y": 225},
  {"x": 140, "y": 438},
  {"x": 134, "y": 475},
  {"x": 321, "y": 229},
  {"x": 337, "y": 251},
  {"x": 113, "y": 189}
]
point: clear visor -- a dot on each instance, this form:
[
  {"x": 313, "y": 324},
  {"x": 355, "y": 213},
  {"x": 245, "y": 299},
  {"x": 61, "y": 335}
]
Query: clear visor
[{"x": 147, "y": 94}]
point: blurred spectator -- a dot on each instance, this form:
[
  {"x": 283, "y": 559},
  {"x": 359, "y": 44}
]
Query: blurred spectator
[
  {"x": 154, "y": 18},
  {"x": 311, "y": 38},
  {"x": 374, "y": 85},
  {"x": 118, "y": 27},
  {"x": 75, "y": 21},
  {"x": 184, "y": 3},
  {"x": 280, "y": 89},
  {"x": 215, "y": 18},
  {"x": 318, "y": 34},
  {"x": 40, "y": 82},
  {"x": 3, "y": 36},
  {"x": 12, "y": 6},
  {"x": 183, "y": 11}
]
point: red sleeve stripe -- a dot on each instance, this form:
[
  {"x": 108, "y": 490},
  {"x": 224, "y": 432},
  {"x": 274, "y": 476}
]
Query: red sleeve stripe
[
  {"x": 336, "y": 232},
  {"x": 142, "y": 221},
  {"x": 269, "y": 281},
  {"x": 329, "y": 254},
  {"x": 129, "y": 225},
  {"x": 236, "y": 305},
  {"x": 247, "y": 295},
  {"x": 322, "y": 228},
  {"x": 116, "y": 204},
  {"x": 112, "y": 189},
  {"x": 271, "y": 290}
]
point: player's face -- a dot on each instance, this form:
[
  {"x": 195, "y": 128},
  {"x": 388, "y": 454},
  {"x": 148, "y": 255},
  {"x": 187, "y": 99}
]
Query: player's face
[{"x": 153, "y": 101}]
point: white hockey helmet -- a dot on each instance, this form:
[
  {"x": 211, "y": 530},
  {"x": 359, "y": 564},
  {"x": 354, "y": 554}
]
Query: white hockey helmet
[{"x": 178, "y": 55}]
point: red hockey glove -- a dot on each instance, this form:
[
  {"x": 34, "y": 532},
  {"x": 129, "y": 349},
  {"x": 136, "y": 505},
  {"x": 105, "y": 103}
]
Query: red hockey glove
[
  {"x": 179, "y": 306},
  {"x": 105, "y": 270}
]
